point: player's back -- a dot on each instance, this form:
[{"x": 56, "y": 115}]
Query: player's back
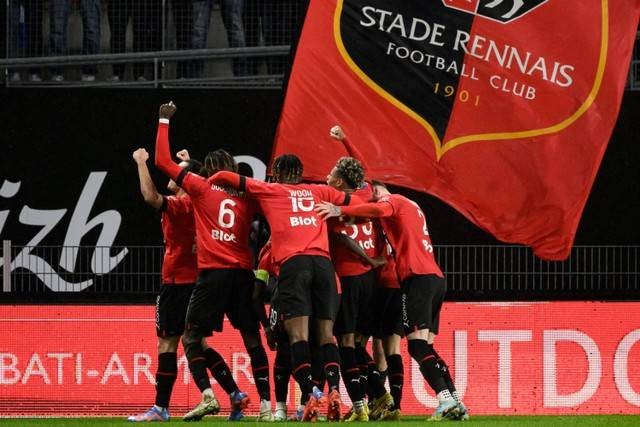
[
  {"x": 179, "y": 264},
  {"x": 347, "y": 262},
  {"x": 408, "y": 234},
  {"x": 223, "y": 221},
  {"x": 289, "y": 209}
]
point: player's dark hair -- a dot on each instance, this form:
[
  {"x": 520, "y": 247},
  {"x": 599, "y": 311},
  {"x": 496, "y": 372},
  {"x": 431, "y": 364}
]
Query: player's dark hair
[
  {"x": 351, "y": 171},
  {"x": 287, "y": 169},
  {"x": 193, "y": 166},
  {"x": 219, "y": 160}
]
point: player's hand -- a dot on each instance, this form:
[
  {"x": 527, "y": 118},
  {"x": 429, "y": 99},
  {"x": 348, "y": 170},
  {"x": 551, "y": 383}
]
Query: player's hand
[
  {"x": 326, "y": 210},
  {"x": 337, "y": 133},
  {"x": 167, "y": 110},
  {"x": 378, "y": 261},
  {"x": 183, "y": 155},
  {"x": 140, "y": 156}
]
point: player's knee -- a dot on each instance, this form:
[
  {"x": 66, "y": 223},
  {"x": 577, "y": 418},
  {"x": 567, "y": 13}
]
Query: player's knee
[
  {"x": 168, "y": 345},
  {"x": 347, "y": 340},
  {"x": 191, "y": 337},
  {"x": 418, "y": 349}
]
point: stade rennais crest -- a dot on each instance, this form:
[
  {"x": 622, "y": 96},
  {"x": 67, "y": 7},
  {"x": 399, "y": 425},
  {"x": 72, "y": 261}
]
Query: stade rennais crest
[{"x": 477, "y": 60}]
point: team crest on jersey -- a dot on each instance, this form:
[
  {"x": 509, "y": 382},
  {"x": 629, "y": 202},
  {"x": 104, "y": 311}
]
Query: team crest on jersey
[
  {"x": 504, "y": 11},
  {"x": 463, "y": 78}
]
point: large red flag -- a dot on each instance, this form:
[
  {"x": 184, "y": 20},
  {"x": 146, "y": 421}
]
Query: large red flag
[{"x": 501, "y": 108}]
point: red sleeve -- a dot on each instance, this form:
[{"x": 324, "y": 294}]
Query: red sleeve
[
  {"x": 163, "y": 154},
  {"x": 226, "y": 178},
  {"x": 369, "y": 210},
  {"x": 354, "y": 152},
  {"x": 239, "y": 182},
  {"x": 337, "y": 197},
  {"x": 176, "y": 205},
  {"x": 266, "y": 261}
]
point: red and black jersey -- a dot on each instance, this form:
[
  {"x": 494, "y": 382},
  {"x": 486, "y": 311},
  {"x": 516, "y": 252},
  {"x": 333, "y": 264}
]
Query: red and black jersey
[
  {"x": 179, "y": 264},
  {"x": 289, "y": 209},
  {"x": 346, "y": 262},
  {"x": 265, "y": 260},
  {"x": 405, "y": 226},
  {"x": 222, "y": 216},
  {"x": 387, "y": 275},
  {"x": 223, "y": 221}
]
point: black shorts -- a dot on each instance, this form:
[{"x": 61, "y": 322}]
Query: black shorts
[
  {"x": 387, "y": 306},
  {"x": 422, "y": 298},
  {"x": 307, "y": 287},
  {"x": 219, "y": 292},
  {"x": 171, "y": 309},
  {"x": 355, "y": 314}
]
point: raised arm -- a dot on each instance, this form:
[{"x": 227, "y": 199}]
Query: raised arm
[
  {"x": 228, "y": 179},
  {"x": 163, "y": 152},
  {"x": 147, "y": 187},
  {"x": 337, "y": 133}
]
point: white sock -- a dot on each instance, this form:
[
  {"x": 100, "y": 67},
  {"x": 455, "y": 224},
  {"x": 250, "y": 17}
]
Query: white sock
[
  {"x": 207, "y": 394},
  {"x": 444, "y": 395},
  {"x": 159, "y": 408},
  {"x": 358, "y": 406},
  {"x": 456, "y": 396},
  {"x": 265, "y": 405},
  {"x": 281, "y": 405},
  {"x": 300, "y": 407}
]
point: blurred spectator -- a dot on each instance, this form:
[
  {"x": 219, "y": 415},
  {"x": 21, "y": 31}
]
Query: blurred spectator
[
  {"x": 148, "y": 14},
  {"x": 183, "y": 17},
  {"x": 146, "y": 18},
  {"x": 119, "y": 12},
  {"x": 90, "y": 11},
  {"x": 201, "y": 18},
  {"x": 253, "y": 19},
  {"x": 25, "y": 33},
  {"x": 279, "y": 26},
  {"x": 232, "y": 11}
]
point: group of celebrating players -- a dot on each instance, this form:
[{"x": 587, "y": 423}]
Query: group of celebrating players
[{"x": 349, "y": 260}]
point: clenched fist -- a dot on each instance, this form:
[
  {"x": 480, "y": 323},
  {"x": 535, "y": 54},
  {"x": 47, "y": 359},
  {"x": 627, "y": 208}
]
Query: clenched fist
[{"x": 167, "y": 110}]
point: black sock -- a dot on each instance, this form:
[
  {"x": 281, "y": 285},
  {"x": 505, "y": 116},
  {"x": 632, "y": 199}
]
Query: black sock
[
  {"x": 384, "y": 375},
  {"x": 301, "y": 366},
  {"x": 351, "y": 373},
  {"x": 165, "y": 378},
  {"x": 444, "y": 368},
  {"x": 220, "y": 371},
  {"x": 317, "y": 368},
  {"x": 197, "y": 365},
  {"x": 396, "y": 378},
  {"x": 361, "y": 361},
  {"x": 375, "y": 386},
  {"x": 260, "y": 370},
  {"x": 281, "y": 374},
  {"x": 331, "y": 359},
  {"x": 423, "y": 354}
]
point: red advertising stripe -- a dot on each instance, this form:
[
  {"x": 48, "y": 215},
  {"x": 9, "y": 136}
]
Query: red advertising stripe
[{"x": 506, "y": 358}]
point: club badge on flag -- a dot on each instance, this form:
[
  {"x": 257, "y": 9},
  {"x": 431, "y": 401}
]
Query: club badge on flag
[{"x": 501, "y": 108}]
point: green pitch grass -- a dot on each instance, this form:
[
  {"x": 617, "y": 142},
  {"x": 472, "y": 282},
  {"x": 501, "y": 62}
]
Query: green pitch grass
[{"x": 502, "y": 421}]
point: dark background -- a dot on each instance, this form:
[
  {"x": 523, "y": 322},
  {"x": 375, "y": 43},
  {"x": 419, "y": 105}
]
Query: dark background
[{"x": 52, "y": 139}]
